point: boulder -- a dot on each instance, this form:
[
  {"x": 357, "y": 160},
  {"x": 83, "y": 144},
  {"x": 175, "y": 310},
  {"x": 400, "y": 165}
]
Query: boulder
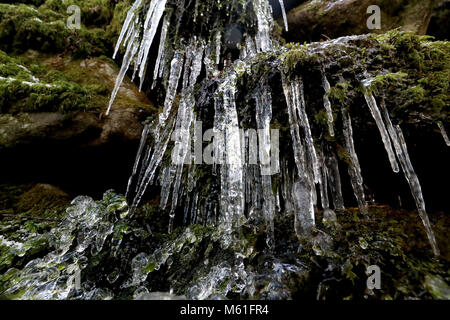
[
  {"x": 318, "y": 19},
  {"x": 74, "y": 146}
]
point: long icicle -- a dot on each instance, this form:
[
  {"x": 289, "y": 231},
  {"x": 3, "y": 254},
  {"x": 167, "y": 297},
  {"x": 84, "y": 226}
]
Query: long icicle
[
  {"x": 131, "y": 31},
  {"x": 401, "y": 149},
  {"x": 372, "y": 103},
  {"x": 226, "y": 126},
  {"x": 444, "y": 133},
  {"x": 302, "y": 193},
  {"x": 304, "y": 122},
  {"x": 161, "y": 49},
  {"x": 354, "y": 168},
  {"x": 334, "y": 179},
  {"x": 142, "y": 143},
  {"x": 263, "y": 119},
  {"x": 130, "y": 53},
  {"x": 327, "y": 103},
  {"x": 151, "y": 23},
  {"x": 264, "y": 18},
  {"x": 283, "y": 12}
]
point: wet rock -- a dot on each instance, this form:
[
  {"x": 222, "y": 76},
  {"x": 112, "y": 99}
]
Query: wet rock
[
  {"x": 315, "y": 20},
  {"x": 67, "y": 145},
  {"x": 26, "y": 128}
]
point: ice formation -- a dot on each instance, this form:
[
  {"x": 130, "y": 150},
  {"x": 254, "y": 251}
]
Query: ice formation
[{"x": 245, "y": 190}]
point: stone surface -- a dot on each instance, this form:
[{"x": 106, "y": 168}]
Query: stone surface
[
  {"x": 318, "y": 19},
  {"x": 124, "y": 121}
]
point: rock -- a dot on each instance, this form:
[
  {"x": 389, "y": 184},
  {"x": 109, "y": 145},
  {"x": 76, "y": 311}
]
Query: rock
[
  {"x": 27, "y": 128},
  {"x": 318, "y": 19},
  {"x": 437, "y": 287},
  {"x": 78, "y": 117},
  {"x": 42, "y": 198},
  {"x": 75, "y": 145}
]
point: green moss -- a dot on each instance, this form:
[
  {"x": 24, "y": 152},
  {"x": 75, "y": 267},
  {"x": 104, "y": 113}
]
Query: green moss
[
  {"x": 423, "y": 69},
  {"x": 24, "y": 27},
  {"x": 410, "y": 71},
  {"x": 384, "y": 240},
  {"x": 31, "y": 84}
]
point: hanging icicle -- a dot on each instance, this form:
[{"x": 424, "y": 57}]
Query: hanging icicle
[
  {"x": 354, "y": 169},
  {"x": 283, "y": 12},
  {"x": 401, "y": 150},
  {"x": 444, "y": 133},
  {"x": 372, "y": 103},
  {"x": 263, "y": 118}
]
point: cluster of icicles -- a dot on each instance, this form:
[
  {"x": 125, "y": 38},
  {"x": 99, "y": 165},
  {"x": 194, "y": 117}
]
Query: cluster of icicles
[{"x": 243, "y": 189}]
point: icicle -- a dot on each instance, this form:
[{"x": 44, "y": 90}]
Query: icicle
[
  {"x": 283, "y": 12},
  {"x": 301, "y": 194},
  {"x": 126, "y": 25},
  {"x": 401, "y": 150},
  {"x": 130, "y": 52},
  {"x": 189, "y": 54},
  {"x": 264, "y": 17},
  {"x": 151, "y": 24},
  {"x": 226, "y": 122},
  {"x": 327, "y": 103},
  {"x": 196, "y": 66},
  {"x": 142, "y": 143},
  {"x": 182, "y": 146},
  {"x": 304, "y": 219},
  {"x": 372, "y": 103},
  {"x": 324, "y": 182},
  {"x": 166, "y": 184},
  {"x": 161, "y": 50},
  {"x": 300, "y": 106},
  {"x": 444, "y": 133},
  {"x": 175, "y": 74},
  {"x": 218, "y": 40},
  {"x": 354, "y": 169},
  {"x": 132, "y": 31},
  {"x": 334, "y": 179},
  {"x": 298, "y": 148},
  {"x": 263, "y": 117},
  {"x": 416, "y": 190}
]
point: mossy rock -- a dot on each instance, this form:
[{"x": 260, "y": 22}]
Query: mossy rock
[
  {"x": 316, "y": 20},
  {"x": 41, "y": 25}
]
